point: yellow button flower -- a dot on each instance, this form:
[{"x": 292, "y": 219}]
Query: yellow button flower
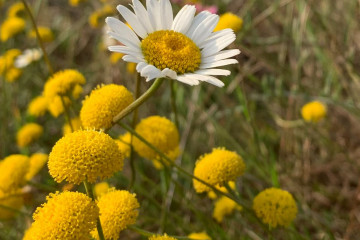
[
  {"x": 229, "y": 20},
  {"x": 224, "y": 206},
  {"x": 7, "y": 67},
  {"x": 124, "y": 143},
  {"x": 85, "y": 155},
  {"x": 75, "y": 3},
  {"x": 55, "y": 105},
  {"x": 45, "y": 33},
  {"x": 118, "y": 209},
  {"x": 37, "y": 161},
  {"x": 313, "y": 111},
  {"x": 199, "y": 236},
  {"x": 28, "y": 133},
  {"x": 275, "y": 207},
  {"x": 12, "y": 172},
  {"x": 103, "y": 104},
  {"x": 38, "y": 106},
  {"x": 161, "y": 133},
  {"x": 66, "y": 215},
  {"x": 163, "y": 237},
  {"x": 101, "y": 188},
  {"x": 216, "y": 168},
  {"x": 11, "y": 27},
  {"x": 75, "y": 123},
  {"x": 16, "y": 10}
]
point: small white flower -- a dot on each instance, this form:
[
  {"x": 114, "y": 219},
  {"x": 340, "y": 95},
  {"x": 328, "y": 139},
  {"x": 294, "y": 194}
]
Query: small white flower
[
  {"x": 184, "y": 48},
  {"x": 29, "y": 56}
]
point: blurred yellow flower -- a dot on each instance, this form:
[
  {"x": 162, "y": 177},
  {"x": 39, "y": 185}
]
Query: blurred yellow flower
[
  {"x": 97, "y": 18},
  {"x": 45, "y": 33},
  {"x": 38, "y": 106},
  {"x": 101, "y": 188},
  {"x": 213, "y": 195},
  {"x": 12, "y": 74},
  {"x": 75, "y": 123},
  {"x": 224, "y": 206},
  {"x": 131, "y": 67},
  {"x": 115, "y": 57},
  {"x": 75, "y": 3},
  {"x": 37, "y": 161},
  {"x": 66, "y": 215},
  {"x": 12, "y": 172},
  {"x": 63, "y": 82},
  {"x": 275, "y": 207},
  {"x": 85, "y": 155},
  {"x": 103, "y": 104},
  {"x": 313, "y": 111},
  {"x": 55, "y": 105},
  {"x": 28, "y": 133},
  {"x": 16, "y": 10},
  {"x": 229, "y": 20},
  {"x": 11, "y": 27},
  {"x": 124, "y": 143},
  {"x": 77, "y": 91},
  {"x": 13, "y": 200},
  {"x": 161, "y": 133},
  {"x": 118, "y": 209},
  {"x": 7, "y": 67},
  {"x": 216, "y": 168},
  {"x": 163, "y": 237},
  {"x": 199, "y": 236}
]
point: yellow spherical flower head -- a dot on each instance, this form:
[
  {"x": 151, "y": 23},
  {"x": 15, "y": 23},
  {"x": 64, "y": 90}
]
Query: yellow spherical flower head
[
  {"x": 199, "y": 236},
  {"x": 11, "y": 27},
  {"x": 37, "y": 161},
  {"x": 101, "y": 188},
  {"x": 118, "y": 209},
  {"x": 13, "y": 74},
  {"x": 161, "y": 133},
  {"x": 229, "y": 20},
  {"x": 12, "y": 172},
  {"x": 28, "y": 133},
  {"x": 63, "y": 82},
  {"x": 77, "y": 91},
  {"x": 16, "y": 10},
  {"x": 103, "y": 104},
  {"x": 131, "y": 67},
  {"x": 97, "y": 18},
  {"x": 55, "y": 105},
  {"x": 313, "y": 111},
  {"x": 45, "y": 33},
  {"x": 13, "y": 201},
  {"x": 213, "y": 195},
  {"x": 38, "y": 106},
  {"x": 75, "y": 123},
  {"x": 115, "y": 57},
  {"x": 7, "y": 67},
  {"x": 275, "y": 207},
  {"x": 124, "y": 143},
  {"x": 161, "y": 237},
  {"x": 224, "y": 206},
  {"x": 216, "y": 168},
  {"x": 66, "y": 215},
  {"x": 85, "y": 155},
  {"x": 75, "y": 3}
]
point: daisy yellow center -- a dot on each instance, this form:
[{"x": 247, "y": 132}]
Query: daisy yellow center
[{"x": 173, "y": 50}]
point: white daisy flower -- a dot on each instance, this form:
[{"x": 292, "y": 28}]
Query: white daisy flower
[
  {"x": 184, "y": 48},
  {"x": 29, "y": 56}
]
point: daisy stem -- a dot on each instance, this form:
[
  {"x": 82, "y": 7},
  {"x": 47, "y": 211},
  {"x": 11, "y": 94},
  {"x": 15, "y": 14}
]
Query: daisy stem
[
  {"x": 173, "y": 103},
  {"x": 134, "y": 120},
  {"x": 46, "y": 58},
  {"x": 90, "y": 193},
  {"x": 139, "y": 101}
]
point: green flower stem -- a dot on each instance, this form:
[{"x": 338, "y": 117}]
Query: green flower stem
[
  {"x": 90, "y": 193},
  {"x": 181, "y": 170},
  {"x": 67, "y": 113},
  {"x": 173, "y": 103},
  {"x": 46, "y": 58},
  {"x": 134, "y": 121},
  {"x": 138, "y": 101}
]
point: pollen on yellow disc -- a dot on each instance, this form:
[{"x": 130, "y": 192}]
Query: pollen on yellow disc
[
  {"x": 173, "y": 50},
  {"x": 275, "y": 207},
  {"x": 28, "y": 133},
  {"x": 217, "y": 168},
  {"x": 66, "y": 215},
  {"x": 85, "y": 155},
  {"x": 103, "y": 104}
]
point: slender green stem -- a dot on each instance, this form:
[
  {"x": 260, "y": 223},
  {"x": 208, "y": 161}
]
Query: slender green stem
[
  {"x": 134, "y": 120},
  {"x": 90, "y": 193},
  {"x": 173, "y": 103},
  {"x": 67, "y": 113},
  {"x": 138, "y": 101},
  {"x": 41, "y": 43}
]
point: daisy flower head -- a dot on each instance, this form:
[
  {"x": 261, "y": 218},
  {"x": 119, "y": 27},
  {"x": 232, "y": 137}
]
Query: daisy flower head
[{"x": 183, "y": 48}]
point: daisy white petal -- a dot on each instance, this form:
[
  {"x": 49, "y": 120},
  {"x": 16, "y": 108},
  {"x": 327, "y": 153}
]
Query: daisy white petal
[
  {"x": 220, "y": 55},
  {"x": 217, "y": 45},
  {"x": 154, "y": 12},
  {"x": 197, "y": 20},
  {"x": 213, "y": 71},
  {"x": 218, "y": 63},
  {"x": 203, "y": 78},
  {"x": 183, "y": 19},
  {"x": 142, "y": 15},
  {"x": 215, "y": 35},
  {"x": 169, "y": 73},
  {"x": 166, "y": 14},
  {"x": 187, "y": 80},
  {"x": 125, "y": 50},
  {"x": 203, "y": 31},
  {"x": 132, "y": 19},
  {"x": 130, "y": 58},
  {"x": 140, "y": 66},
  {"x": 150, "y": 72}
]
